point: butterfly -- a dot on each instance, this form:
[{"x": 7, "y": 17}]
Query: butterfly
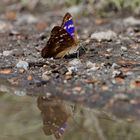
[
  {"x": 63, "y": 39},
  {"x": 54, "y": 115}
]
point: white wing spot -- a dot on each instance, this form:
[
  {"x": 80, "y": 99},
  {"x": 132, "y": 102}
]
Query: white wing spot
[
  {"x": 70, "y": 26},
  {"x": 63, "y": 35},
  {"x": 70, "y": 18},
  {"x": 61, "y": 40}
]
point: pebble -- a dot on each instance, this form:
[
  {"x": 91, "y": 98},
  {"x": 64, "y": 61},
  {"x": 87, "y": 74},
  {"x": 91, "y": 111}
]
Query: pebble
[
  {"x": 129, "y": 73},
  {"x": 75, "y": 62},
  {"x": 131, "y": 21},
  {"x": 115, "y": 66},
  {"x": 7, "y": 53},
  {"x": 109, "y": 50},
  {"x": 135, "y": 83},
  {"x": 123, "y": 48},
  {"x": 18, "y": 53},
  {"x": 107, "y": 35},
  {"x": 14, "y": 52},
  {"x": 5, "y": 71},
  {"x": 46, "y": 75},
  {"x": 22, "y": 64},
  {"x": 26, "y": 19},
  {"x": 68, "y": 77},
  {"x": 73, "y": 69},
  {"x": 74, "y": 65},
  {"x": 78, "y": 89},
  {"x": 5, "y": 26},
  {"x": 70, "y": 72},
  {"x": 92, "y": 66},
  {"x": 121, "y": 96},
  {"x": 21, "y": 70},
  {"x": 20, "y": 93},
  {"x": 14, "y": 32},
  {"x": 89, "y": 64},
  {"x": 29, "y": 78},
  {"x": 116, "y": 73}
]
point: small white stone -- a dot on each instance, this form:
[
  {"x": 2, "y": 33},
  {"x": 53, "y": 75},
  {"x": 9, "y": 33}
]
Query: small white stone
[
  {"x": 48, "y": 95},
  {"x": 113, "y": 81},
  {"x": 121, "y": 96},
  {"x": 70, "y": 72},
  {"x": 20, "y": 92},
  {"x": 46, "y": 75},
  {"x": 129, "y": 73},
  {"x": 74, "y": 65},
  {"x": 131, "y": 21},
  {"x": 91, "y": 66},
  {"x": 75, "y": 62},
  {"x": 123, "y": 48},
  {"x": 109, "y": 50},
  {"x": 108, "y": 35},
  {"x": 22, "y": 64},
  {"x": 7, "y": 53},
  {"x": 115, "y": 73},
  {"x": 114, "y": 66},
  {"x": 73, "y": 69},
  {"x": 4, "y": 26}
]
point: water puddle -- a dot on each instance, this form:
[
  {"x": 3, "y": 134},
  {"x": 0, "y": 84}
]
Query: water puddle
[{"x": 33, "y": 118}]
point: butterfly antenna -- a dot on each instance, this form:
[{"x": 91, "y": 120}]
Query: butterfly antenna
[
  {"x": 82, "y": 45},
  {"x": 81, "y": 48},
  {"x": 78, "y": 54}
]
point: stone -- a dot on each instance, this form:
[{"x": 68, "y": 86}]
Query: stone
[
  {"x": 123, "y": 48},
  {"x": 131, "y": 21},
  {"x": 22, "y": 64},
  {"x": 91, "y": 66},
  {"x": 106, "y": 35},
  {"x": 7, "y": 53}
]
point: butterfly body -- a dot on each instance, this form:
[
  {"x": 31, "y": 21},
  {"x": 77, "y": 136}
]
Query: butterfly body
[{"x": 62, "y": 41}]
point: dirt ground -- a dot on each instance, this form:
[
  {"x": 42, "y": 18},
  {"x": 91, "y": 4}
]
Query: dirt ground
[{"x": 105, "y": 73}]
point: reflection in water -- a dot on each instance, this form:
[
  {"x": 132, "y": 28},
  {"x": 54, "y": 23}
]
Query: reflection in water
[
  {"x": 20, "y": 119},
  {"x": 54, "y": 114}
]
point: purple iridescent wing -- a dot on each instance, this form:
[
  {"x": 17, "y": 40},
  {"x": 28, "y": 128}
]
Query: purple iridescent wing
[
  {"x": 68, "y": 25},
  {"x": 60, "y": 131}
]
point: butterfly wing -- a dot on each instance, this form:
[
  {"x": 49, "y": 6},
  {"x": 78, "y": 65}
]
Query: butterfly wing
[
  {"x": 60, "y": 131},
  {"x": 59, "y": 44},
  {"x": 68, "y": 25}
]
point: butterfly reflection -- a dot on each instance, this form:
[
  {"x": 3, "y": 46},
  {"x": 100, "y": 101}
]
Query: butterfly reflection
[
  {"x": 62, "y": 41},
  {"x": 54, "y": 116}
]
